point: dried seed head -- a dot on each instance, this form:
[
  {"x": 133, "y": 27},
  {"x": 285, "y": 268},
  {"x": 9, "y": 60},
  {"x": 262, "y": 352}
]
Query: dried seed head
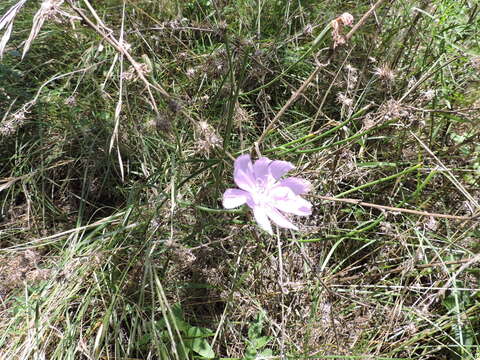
[
  {"x": 125, "y": 45},
  {"x": 71, "y": 100},
  {"x": 369, "y": 122},
  {"x": 204, "y": 98},
  {"x": 351, "y": 69},
  {"x": 344, "y": 100},
  {"x": 134, "y": 72},
  {"x": 207, "y": 138},
  {"x": 345, "y": 19},
  {"x": 130, "y": 74},
  {"x": 12, "y": 123},
  {"x": 427, "y": 95},
  {"x": 393, "y": 109},
  {"x": 221, "y": 30},
  {"x": 174, "y": 106},
  {"x": 475, "y": 61},
  {"x": 215, "y": 64},
  {"x": 222, "y": 25},
  {"x": 162, "y": 123},
  {"x": 430, "y": 224},
  {"x": 384, "y": 73},
  {"x": 190, "y": 72},
  {"x": 241, "y": 115},
  {"x": 352, "y": 81},
  {"x": 411, "y": 82},
  {"x": 308, "y": 30}
]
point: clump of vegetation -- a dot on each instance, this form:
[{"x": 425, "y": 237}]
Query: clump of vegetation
[{"x": 120, "y": 121}]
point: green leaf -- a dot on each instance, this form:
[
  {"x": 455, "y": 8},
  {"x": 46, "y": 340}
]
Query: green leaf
[
  {"x": 175, "y": 319},
  {"x": 250, "y": 353},
  {"x": 255, "y": 329},
  {"x": 197, "y": 342},
  {"x": 174, "y": 322},
  {"x": 260, "y": 342},
  {"x": 265, "y": 353}
]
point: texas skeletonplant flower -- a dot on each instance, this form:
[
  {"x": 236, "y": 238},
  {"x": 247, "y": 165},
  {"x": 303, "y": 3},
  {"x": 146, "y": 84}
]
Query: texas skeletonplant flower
[{"x": 268, "y": 195}]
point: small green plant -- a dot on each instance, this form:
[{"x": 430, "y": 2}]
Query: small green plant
[
  {"x": 256, "y": 342},
  {"x": 193, "y": 339}
]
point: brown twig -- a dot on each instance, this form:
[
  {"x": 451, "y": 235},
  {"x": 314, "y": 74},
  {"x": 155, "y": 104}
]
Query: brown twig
[
  {"x": 320, "y": 66},
  {"x": 405, "y": 267},
  {"x": 363, "y": 19},
  {"x": 396, "y": 209},
  {"x": 444, "y": 111},
  {"x": 465, "y": 266}
]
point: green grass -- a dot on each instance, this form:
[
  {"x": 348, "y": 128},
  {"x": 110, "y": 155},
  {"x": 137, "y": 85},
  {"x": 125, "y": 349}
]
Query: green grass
[{"x": 113, "y": 240}]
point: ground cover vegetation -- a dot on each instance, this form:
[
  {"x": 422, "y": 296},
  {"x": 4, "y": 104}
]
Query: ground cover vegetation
[{"x": 120, "y": 123}]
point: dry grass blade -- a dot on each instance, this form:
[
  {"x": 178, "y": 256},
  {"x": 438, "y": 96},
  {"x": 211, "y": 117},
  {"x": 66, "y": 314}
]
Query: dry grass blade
[
  {"x": 396, "y": 209},
  {"x": 5, "y": 38},
  {"x": 7, "y": 21},
  {"x": 48, "y": 8},
  {"x": 450, "y": 281},
  {"x": 6, "y": 183}
]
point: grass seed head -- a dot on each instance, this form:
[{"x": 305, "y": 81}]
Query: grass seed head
[
  {"x": 428, "y": 95},
  {"x": 133, "y": 72},
  {"x": 241, "y": 115}
]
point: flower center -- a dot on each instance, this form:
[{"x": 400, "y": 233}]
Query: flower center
[{"x": 262, "y": 189}]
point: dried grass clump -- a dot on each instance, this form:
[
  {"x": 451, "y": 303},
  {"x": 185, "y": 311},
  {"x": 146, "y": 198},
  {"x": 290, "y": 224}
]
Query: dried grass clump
[{"x": 22, "y": 269}]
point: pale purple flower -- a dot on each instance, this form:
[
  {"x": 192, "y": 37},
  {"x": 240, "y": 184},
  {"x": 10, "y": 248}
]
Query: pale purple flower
[{"x": 266, "y": 193}]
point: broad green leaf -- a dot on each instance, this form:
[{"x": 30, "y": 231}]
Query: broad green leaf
[
  {"x": 260, "y": 342},
  {"x": 196, "y": 340},
  {"x": 255, "y": 329}
]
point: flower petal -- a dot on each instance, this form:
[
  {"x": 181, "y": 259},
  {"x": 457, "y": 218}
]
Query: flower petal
[
  {"x": 262, "y": 219},
  {"x": 296, "y": 206},
  {"x": 297, "y": 185},
  {"x": 233, "y": 198},
  {"x": 279, "y": 219},
  {"x": 243, "y": 173},
  {"x": 278, "y": 168},
  {"x": 279, "y": 192},
  {"x": 261, "y": 167}
]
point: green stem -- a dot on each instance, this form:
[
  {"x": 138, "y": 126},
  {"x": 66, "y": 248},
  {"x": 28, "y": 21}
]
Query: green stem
[
  {"x": 313, "y": 135},
  {"x": 371, "y": 183}
]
